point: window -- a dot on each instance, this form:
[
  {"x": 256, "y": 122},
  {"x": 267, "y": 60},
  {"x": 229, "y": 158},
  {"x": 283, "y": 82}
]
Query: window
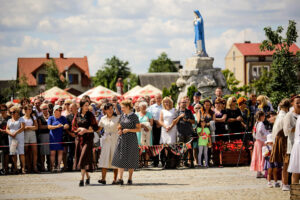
[
  {"x": 73, "y": 78},
  {"x": 42, "y": 79},
  {"x": 233, "y": 55}
]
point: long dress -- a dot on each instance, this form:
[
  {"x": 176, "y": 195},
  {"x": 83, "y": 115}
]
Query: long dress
[
  {"x": 84, "y": 143},
  {"x": 170, "y": 136},
  {"x": 294, "y": 166},
  {"x": 109, "y": 140},
  {"x": 127, "y": 151},
  {"x": 144, "y": 119}
]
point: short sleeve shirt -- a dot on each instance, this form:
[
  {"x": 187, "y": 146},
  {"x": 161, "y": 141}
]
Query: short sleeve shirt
[{"x": 185, "y": 128}]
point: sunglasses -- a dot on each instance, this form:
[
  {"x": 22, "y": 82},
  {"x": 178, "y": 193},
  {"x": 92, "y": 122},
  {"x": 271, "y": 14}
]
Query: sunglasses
[
  {"x": 234, "y": 101},
  {"x": 14, "y": 112},
  {"x": 3, "y": 110},
  {"x": 197, "y": 108},
  {"x": 67, "y": 104},
  {"x": 45, "y": 109}
]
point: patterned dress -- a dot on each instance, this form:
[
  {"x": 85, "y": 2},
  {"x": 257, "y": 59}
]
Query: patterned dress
[{"x": 127, "y": 151}]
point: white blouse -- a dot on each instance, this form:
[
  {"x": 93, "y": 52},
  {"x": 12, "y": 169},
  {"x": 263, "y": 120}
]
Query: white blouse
[{"x": 261, "y": 132}]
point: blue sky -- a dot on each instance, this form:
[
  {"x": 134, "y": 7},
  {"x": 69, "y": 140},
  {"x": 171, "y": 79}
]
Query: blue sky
[{"x": 136, "y": 31}]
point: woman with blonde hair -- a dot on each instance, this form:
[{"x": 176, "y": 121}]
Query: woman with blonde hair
[
  {"x": 263, "y": 104},
  {"x": 234, "y": 118},
  {"x": 167, "y": 115}
]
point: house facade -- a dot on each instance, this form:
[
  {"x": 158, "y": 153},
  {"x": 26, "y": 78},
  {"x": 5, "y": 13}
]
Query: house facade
[
  {"x": 247, "y": 61},
  {"x": 74, "y": 70}
]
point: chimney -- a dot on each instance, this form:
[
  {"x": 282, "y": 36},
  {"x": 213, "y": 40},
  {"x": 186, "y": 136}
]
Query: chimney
[
  {"x": 47, "y": 55},
  {"x": 61, "y": 55},
  {"x": 247, "y": 42}
]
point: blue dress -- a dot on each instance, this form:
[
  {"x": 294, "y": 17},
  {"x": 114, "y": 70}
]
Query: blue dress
[{"x": 56, "y": 135}]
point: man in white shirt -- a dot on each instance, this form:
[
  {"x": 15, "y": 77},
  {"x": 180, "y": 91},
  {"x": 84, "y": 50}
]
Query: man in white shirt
[
  {"x": 156, "y": 130},
  {"x": 289, "y": 125}
]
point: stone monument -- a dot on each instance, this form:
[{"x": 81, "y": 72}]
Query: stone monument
[{"x": 198, "y": 70}]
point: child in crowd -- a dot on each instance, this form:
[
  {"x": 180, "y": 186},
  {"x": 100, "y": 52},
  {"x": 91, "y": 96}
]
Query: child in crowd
[
  {"x": 266, "y": 153},
  {"x": 260, "y": 134},
  {"x": 204, "y": 142}
]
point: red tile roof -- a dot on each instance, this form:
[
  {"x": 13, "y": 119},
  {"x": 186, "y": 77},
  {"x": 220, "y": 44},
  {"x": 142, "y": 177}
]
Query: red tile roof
[
  {"x": 26, "y": 66},
  {"x": 252, "y": 49}
]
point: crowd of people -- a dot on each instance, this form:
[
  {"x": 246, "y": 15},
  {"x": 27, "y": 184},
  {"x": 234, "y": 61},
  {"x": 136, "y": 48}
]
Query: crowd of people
[{"x": 66, "y": 135}]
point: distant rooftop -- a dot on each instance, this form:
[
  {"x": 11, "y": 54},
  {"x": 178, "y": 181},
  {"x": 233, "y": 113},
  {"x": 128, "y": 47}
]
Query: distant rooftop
[{"x": 159, "y": 80}]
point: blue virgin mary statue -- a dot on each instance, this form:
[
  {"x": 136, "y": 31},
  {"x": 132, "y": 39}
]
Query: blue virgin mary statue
[{"x": 199, "y": 34}]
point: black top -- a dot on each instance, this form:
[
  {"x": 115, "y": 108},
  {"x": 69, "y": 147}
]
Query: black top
[
  {"x": 86, "y": 121},
  {"x": 236, "y": 126},
  {"x": 220, "y": 126},
  {"x": 185, "y": 128},
  {"x": 43, "y": 122},
  {"x": 4, "y": 136},
  {"x": 129, "y": 121}
]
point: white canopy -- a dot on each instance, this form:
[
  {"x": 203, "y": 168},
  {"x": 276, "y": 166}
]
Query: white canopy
[{"x": 99, "y": 92}]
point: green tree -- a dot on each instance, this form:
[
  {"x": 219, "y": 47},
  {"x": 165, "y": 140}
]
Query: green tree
[
  {"x": 191, "y": 91},
  {"x": 109, "y": 73},
  {"x": 165, "y": 92},
  {"x": 23, "y": 88},
  {"x": 134, "y": 80},
  {"x": 162, "y": 64},
  {"x": 232, "y": 83},
  {"x": 8, "y": 92},
  {"x": 259, "y": 86},
  {"x": 174, "y": 92},
  {"x": 53, "y": 76},
  {"x": 285, "y": 66}
]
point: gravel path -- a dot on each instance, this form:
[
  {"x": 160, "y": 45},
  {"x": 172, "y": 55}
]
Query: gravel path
[{"x": 232, "y": 183}]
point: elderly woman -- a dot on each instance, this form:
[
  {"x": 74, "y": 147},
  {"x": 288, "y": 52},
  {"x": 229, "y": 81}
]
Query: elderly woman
[
  {"x": 127, "y": 152},
  {"x": 234, "y": 118},
  {"x": 145, "y": 136},
  {"x": 15, "y": 130},
  {"x": 109, "y": 123},
  {"x": 84, "y": 125},
  {"x": 31, "y": 126},
  {"x": 43, "y": 136},
  {"x": 56, "y": 124}
]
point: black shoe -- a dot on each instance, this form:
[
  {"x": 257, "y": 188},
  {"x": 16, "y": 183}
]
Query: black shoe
[
  {"x": 87, "y": 181},
  {"x": 120, "y": 182},
  {"x": 129, "y": 182},
  {"x": 114, "y": 183},
  {"x": 102, "y": 181},
  {"x": 81, "y": 184}
]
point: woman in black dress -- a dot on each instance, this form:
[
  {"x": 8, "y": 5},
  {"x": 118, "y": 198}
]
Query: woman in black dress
[
  {"x": 84, "y": 124},
  {"x": 127, "y": 152},
  {"x": 234, "y": 118}
]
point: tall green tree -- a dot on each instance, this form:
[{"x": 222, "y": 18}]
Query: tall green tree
[
  {"x": 109, "y": 73},
  {"x": 285, "y": 66},
  {"x": 259, "y": 86},
  {"x": 232, "y": 83},
  {"x": 9, "y": 91},
  {"x": 53, "y": 76},
  {"x": 162, "y": 64},
  {"x": 23, "y": 88}
]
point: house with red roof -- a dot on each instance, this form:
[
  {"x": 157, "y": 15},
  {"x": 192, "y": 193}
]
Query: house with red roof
[
  {"x": 74, "y": 70},
  {"x": 247, "y": 61}
]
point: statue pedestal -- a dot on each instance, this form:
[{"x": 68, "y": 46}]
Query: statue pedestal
[{"x": 197, "y": 62}]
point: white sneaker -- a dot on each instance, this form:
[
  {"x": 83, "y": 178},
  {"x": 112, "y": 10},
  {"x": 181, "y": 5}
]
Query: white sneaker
[
  {"x": 277, "y": 185},
  {"x": 270, "y": 185},
  {"x": 286, "y": 188}
]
